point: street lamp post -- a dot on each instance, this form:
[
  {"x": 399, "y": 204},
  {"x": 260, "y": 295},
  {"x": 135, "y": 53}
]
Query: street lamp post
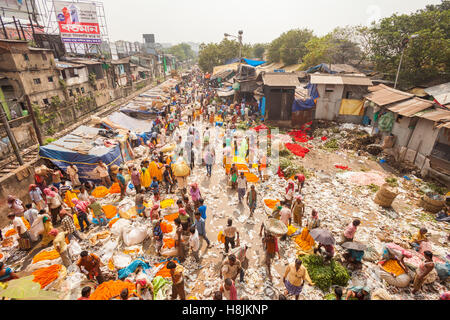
[
  {"x": 239, "y": 37},
  {"x": 404, "y": 45}
]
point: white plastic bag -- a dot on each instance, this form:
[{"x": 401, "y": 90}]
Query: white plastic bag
[
  {"x": 134, "y": 236},
  {"x": 74, "y": 248},
  {"x": 119, "y": 226},
  {"x": 121, "y": 260},
  {"x": 108, "y": 250}
]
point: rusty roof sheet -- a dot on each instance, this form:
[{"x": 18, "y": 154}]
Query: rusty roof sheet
[
  {"x": 340, "y": 79},
  {"x": 280, "y": 79},
  {"x": 437, "y": 115},
  {"x": 385, "y": 95},
  {"x": 444, "y": 125},
  {"x": 410, "y": 107}
]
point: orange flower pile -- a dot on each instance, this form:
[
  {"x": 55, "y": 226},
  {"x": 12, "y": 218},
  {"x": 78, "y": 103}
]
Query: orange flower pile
[
  {"x": 169, "y": 243},
  {"x": 1, "y": 255},
  {"x": 164, "y": 272},
  {"x": 111, "y": 288},
  {"x": 271, "y": 203},
  {"x": 171, "y": 217},
  {"x": 251, "y": 177},
  {"x": 10, "y": 233},
  {"x": 111, "y": 265},
  {"x": 113, "y": 221},
  {"x": 304, "y": 240},
  {"x": 394, "y": 267},
  {"x": 46, "y": 255},
  {"x": 115, "y": 188},
  {"x": 45, "y": 276},
  {"x": 100, "y": 192},
  {"x": 166, "y": 227}
]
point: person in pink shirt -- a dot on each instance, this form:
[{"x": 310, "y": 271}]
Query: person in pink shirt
[
  {"x": 195, "y": 195},
  {"x": 286, "y": 218},
  {"x": 349, "y": 232}
]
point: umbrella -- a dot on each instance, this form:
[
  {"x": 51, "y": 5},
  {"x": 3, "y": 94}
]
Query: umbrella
[
  {"x": 354, "y": 246},
  {"x": 26, "y": 289},
  {"x": 322, "y": 236}
]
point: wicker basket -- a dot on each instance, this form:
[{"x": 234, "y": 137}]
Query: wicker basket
[
  {"x": 385, "y": 196},
  {"x": 428, "y": 206},
  {"x": 435, "y": 203}
]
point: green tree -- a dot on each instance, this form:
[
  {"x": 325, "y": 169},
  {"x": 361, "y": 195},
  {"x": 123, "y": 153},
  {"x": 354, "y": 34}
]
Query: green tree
[
  {"x": 212, "y": 54},
  {"x": 290, "y": 47},
  {"x": 336, "y": 47},
  {"x": 426, "y": 57},
  {"x": 182, "y": 51},
  {"x": 259, "y": 50}
]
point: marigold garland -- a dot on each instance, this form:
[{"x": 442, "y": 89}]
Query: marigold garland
[
  {"x": 171, "y": 217},
  {"x": 111, "y": 288},
  {"x": 46, "y": 255},
  {"x": 164, "y": 272},
  {"x": 166, "y": 227},
  {"x": 45, "y": 276}
]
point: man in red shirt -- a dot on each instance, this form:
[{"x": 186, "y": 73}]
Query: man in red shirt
[
  {"x": 270, "y": 244},
  {"x": 85, "y": 293},
  {"x": 300, "y": 181}
]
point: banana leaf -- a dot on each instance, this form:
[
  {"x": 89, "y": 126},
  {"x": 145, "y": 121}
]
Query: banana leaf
[{"x": 25, "y": 289}]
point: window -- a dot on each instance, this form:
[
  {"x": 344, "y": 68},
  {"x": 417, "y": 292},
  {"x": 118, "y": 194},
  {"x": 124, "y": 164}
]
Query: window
[
  {"x": 50, "y": 79},
  {"x": 25, "y": 56},
  {"x": 82, "y": 90},
  {"x": 70, "y": 92},
  {"x": 45, "y": 101},
  {"x": 348, "y": 95},
  {"x": 44, "y": 57},
  {"x": 78, "y": 90},
  {"x": 37, "y": 81},
  {"x": 329, "y": 88}
]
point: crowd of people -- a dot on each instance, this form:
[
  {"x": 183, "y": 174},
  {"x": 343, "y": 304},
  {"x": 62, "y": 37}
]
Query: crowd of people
[{"x": 56, "y": 196}]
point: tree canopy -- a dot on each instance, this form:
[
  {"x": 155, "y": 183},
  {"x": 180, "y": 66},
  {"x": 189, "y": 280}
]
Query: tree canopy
[
  {"x": 214, "y": 54},
  {"x": 290, "y": 47},
  {"x": 182, "y": 52}
]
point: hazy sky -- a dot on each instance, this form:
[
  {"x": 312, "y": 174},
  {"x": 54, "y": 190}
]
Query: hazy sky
[{"x": 175, "y": 21}]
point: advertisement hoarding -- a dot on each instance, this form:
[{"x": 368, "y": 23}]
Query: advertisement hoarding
[
  {"x": 17, "y": 8},
  {"x": 78, "y": 22}
]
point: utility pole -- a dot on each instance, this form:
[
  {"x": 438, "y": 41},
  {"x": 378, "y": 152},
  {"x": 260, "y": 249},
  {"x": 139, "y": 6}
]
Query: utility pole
[
  {"x": 33, "y": 118},
  {"x": 11, "y": 137}
]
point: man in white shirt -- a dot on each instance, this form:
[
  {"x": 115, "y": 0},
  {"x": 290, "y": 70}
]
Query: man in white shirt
[
  {"x": 194, "y": 243},
  {"x": 19, "y": 226},
  {"x": 242, "y": 186}
]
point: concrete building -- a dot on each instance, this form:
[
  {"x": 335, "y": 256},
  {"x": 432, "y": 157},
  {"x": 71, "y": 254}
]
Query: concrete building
[
  {"x": 340, "y": 96},
  {"x": 29, "y": 71}
]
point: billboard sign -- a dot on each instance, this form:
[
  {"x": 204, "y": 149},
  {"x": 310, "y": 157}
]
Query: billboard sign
[
  {"x": 18, "y": 9},
  {"x": 77, "y": 22}
]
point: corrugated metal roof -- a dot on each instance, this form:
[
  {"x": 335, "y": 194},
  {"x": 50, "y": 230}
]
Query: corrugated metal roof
[
  {"x": 280, "y": 79},
  {"x": 444, "y": 125},
  {"x": 385, "y": 95},
  {"x": 410, "y": 107},
  {"x": 441, "y": 93},
  {"x": 339, "y": 79},
  {"x": 436, "y": 115}
]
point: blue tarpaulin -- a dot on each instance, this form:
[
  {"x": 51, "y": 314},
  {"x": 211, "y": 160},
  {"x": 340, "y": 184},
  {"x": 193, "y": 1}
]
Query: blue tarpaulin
[
  {"x": 321, "y": 67},
  {"x": 125, "y": 272},
  {"x": 254, "y": 63},
  {"x": 300, "y": 105},
  {"x": 262, "y": 106},
  {"x": 61, "y": 153}
]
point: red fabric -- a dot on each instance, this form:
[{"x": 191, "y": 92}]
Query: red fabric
[
  {"x": 280, "y": 173},
  {"x": 300, "y": 177},
  {"x": 324, "y": 138},
  {"x": 260, "y": 127},
  {"x": 342, "y": 167},
  {"x": 297, "y": 149}
]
